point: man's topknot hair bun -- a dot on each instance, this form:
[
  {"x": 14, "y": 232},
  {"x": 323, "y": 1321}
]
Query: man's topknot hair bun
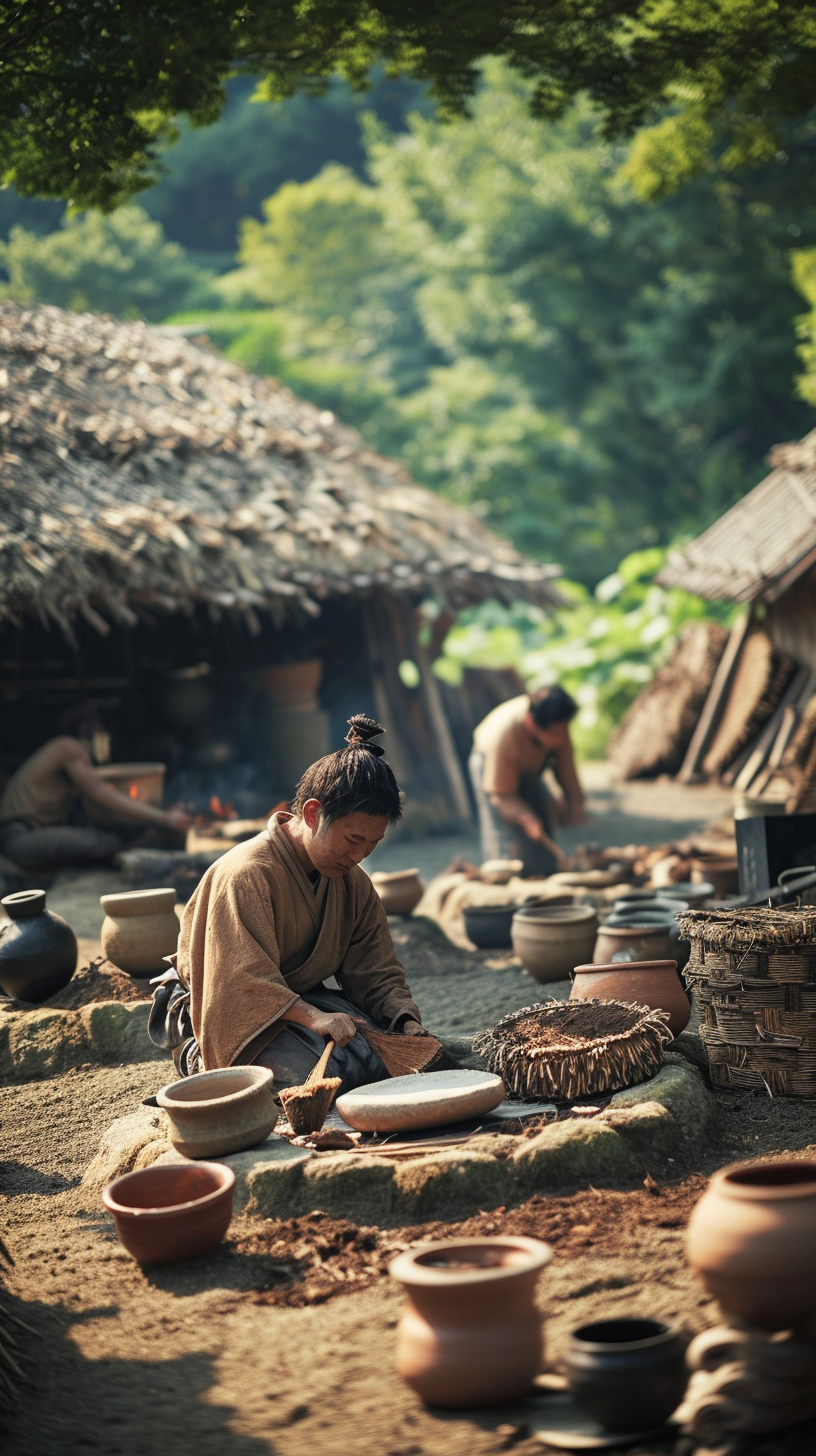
[{"x": 362, "y": 731}]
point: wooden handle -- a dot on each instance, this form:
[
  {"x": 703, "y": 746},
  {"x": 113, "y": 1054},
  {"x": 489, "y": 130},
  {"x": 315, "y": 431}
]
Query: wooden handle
[{"x": 319, "y": 1070}]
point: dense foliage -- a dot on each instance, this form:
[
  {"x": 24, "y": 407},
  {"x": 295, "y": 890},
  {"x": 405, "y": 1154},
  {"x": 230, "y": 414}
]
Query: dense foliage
[
  {"x": 602, "y": 648},
  {"x": 88, "y": 94},
  {"x": 592, "y": 373}
]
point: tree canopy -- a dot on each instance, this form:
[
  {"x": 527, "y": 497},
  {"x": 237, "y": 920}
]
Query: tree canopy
[{"x": 89, "y": 92}]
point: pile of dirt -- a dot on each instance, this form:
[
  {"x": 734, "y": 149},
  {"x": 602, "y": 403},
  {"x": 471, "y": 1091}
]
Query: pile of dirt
[
  {"x": 309, "y": 1260},
  {"x": 98, "y": 981}
]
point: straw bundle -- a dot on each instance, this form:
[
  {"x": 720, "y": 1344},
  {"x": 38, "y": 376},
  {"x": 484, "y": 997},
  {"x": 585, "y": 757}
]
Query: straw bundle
[
  {"x": 402, "y": 1055},
  {"x": 754, "y": 974},
  {"x": 570, "y": 1049}
]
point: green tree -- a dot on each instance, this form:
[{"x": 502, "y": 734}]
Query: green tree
[
  {"x": 87, "y": 97},
  {"x": 589, "y": 372},
  {"x": 119, "y": 264}
]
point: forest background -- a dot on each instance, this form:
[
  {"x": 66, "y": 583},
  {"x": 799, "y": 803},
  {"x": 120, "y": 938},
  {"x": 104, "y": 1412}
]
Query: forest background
[{"x": 513, "y": 307}]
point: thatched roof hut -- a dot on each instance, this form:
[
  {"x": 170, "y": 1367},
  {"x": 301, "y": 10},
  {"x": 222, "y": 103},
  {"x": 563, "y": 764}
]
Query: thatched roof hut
[
  {"x": 144, "y": 479},
  {"x": 140, "y": 471},
  {"x": 758, "y": 725}
]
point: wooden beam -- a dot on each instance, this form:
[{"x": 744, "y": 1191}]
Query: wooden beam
[
  {"x": 443, "y": 735},
  {"x": 713, "y": 706},
  {"x": 758, "y": 756}
]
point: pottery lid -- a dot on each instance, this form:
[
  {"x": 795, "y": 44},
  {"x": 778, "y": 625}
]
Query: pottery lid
[
  {"x": 624, "y": 1334},
  {"x": 24, "y": 904},
  {"x": 139, "y": 902}
]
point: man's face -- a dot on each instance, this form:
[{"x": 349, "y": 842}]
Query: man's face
[
  {"x": 335, "y": 848},
  {"x": 554, "y": 736}
]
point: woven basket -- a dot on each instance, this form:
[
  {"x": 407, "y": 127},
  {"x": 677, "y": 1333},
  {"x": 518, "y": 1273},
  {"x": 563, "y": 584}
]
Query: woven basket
[
  {"x": 754, "y": 976},
  {"x": 569, "y": 1049}
]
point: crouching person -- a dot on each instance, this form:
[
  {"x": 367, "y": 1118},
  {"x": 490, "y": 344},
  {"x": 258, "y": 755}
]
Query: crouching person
[{"x": 277, "y": 916}]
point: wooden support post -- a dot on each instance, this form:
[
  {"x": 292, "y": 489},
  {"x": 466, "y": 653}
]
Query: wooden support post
[
  {"x": 759, "y": 750},
  {"x": 715, "y": 702},
  {"x": 443, "y": 734}
]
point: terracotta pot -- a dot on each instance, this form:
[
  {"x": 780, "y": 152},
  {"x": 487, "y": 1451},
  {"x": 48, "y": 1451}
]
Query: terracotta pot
[
  {"x": 751, "y": 1239},
  {"x": 171, "y": 1211},
  {"x": 655, "y": 984},
  {"x": 721, "y": 872},
  {"x": 627, "y": 1374},
  {"x": 470, "y": 1334},
  {"x": 291, "y": 685},
  {"x": 220, "y": 1112},
  {"x": 551, "y": 939},
  {"x": 399, "y": 890},
  {"x": 140, "y": 928},
  {"x": 38, "y": 950},
  {"x": 488, "y": 926},
  {"x": 643, "y": 942}
]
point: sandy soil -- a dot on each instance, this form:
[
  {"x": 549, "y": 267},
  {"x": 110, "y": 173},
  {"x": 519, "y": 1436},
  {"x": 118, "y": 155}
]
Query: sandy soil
[{"x": 281, "y": 1343}]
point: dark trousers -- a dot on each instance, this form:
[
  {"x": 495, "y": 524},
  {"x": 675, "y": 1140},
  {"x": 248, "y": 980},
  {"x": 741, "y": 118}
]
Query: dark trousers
[
  {"x": 502, "y": 840},
  {"x": 296, "y": 1049}
]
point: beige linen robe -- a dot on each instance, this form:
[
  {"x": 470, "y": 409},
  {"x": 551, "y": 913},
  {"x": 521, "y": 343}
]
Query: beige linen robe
[{"x": 258, "y": 933}]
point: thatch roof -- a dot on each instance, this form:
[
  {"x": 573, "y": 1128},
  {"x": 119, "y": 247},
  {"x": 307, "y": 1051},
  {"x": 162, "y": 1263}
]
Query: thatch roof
[
  {"x": 764, "y": 543},
  {"x": 142, "y": 471}
]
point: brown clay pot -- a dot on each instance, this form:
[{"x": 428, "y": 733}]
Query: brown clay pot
[
  {"x": 140, "y": 928},
  {"x": 291, "y": 685},
  {"x": 655, "y": 984},
  {"x": 470, "y": 1333},
  {"x": 751, "y": 1239},
  {"x": 718, "y": 871},
  {"x": 219, "y": 1112},
  {"x": 399, "y": 890},
  {"x": 644, "y": 942},
  {"x": 551, "y": 939},
  {"x": 171, "y": 1211},
  {"x": 627, "y": 1374}
]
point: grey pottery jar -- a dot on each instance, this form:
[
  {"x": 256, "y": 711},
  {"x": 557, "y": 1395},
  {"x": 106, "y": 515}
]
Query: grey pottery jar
[
  {"x": 38, "y": 950},
  {"x": 627, "y": 1374}
]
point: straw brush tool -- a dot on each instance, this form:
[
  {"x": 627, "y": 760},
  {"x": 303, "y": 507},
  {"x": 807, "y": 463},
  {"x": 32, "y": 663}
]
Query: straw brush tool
[{"x": 307, "y": 1106}]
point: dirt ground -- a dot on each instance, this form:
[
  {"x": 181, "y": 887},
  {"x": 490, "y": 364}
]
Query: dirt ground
[{"x": 282, "y": 1342}]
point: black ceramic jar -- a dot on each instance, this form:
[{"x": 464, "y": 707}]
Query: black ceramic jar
[
  {"x": 488, "y": 926},
  {"x": 627, "y": 1374},
  {"x": 38, "y": 950}
]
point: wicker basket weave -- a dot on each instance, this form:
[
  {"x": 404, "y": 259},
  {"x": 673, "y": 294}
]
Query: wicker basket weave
[
  {"x": 754, "y": 976},
  {"x": 569, "y": 1049}
]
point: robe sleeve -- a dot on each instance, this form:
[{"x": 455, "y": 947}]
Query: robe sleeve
[
  {"x": 229, "y": 957},
  {"x": 370, "y": 973}
]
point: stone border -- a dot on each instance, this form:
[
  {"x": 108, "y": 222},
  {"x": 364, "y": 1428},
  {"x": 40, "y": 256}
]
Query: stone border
[
  {"x": 37, "y": 1044},
  {"x": 655, "y": 1128}
]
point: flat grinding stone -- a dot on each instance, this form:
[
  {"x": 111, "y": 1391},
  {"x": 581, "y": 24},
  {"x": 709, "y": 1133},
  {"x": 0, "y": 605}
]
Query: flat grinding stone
[{"x": 425, "y": 1099}]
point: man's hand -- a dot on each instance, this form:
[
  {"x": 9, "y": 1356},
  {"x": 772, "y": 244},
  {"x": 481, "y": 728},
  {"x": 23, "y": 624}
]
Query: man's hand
[
  {"x": 334, "y": 1026},
  {"x": 413, "y": 1028}
]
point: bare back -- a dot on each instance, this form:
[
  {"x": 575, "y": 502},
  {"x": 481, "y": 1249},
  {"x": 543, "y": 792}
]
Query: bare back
[{"x": 42, "y": 791}]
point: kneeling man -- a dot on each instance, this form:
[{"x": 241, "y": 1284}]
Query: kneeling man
[{"x": 275, "y": 917}]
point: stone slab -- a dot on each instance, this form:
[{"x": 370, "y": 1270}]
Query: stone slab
[
  {"x": 41, "y": 1043},
  {"x": 653, "y": 1128}
]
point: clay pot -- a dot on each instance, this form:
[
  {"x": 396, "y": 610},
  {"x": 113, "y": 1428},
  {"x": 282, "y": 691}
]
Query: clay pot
[
  {"x": 551, "y": 939},
  {"x": 470, "y": 1333},
  {"x": 642, "y": 942},
  {"x": 140, "y": 928},
  {"x": 38, "y": 950},
  {"x": 751, "y": 1239},
  {"x": 500, "y": 871},
  {"x": 655, "y": 984},
  {"x": 627, "y": 1374},
  {"x": 399, "y": 890},
  {"x": 187, "y": 697},
  {"x": 488, "y": 926},
  {"x": 693, "y": 894},
  {"x": 171, "y": 1211},
  {"x": 662, "y": 909},
  {"x": 220, "y": 1112},
  {"x": 292, "y": 686},
  {"x": 717, "y": 870}
]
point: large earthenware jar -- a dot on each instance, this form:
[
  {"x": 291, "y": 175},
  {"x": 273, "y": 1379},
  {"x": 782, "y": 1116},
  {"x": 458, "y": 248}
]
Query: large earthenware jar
[
  {"x": 470, "y": 1334},
  {"x": 752, "y": 1239},
  {"x": 655, "y": 984},
  {"x": 292, "y": 686},
  {"x": 38, "y": 950},
  {"x": 140, "y": 928},
  {"x": 551, "y": 939},
  {"x": 220, "y": 1112},
  {"x": 628, "y": 1374},
  {"x": 399, "y": 890}
]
